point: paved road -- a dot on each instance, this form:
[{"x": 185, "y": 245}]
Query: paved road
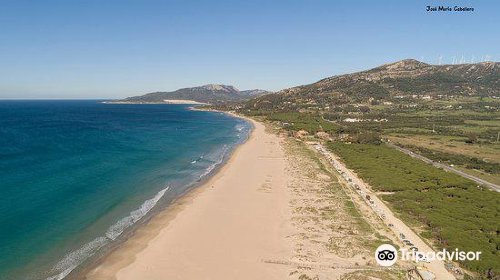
[{"x": 446, "y": 167}]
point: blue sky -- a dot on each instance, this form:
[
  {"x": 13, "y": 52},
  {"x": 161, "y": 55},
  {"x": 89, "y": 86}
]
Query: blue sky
[{"x": 110, "y": 49}]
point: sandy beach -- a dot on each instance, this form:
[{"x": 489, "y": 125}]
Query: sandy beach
[
  {"x": 225, "y": 229},
  {"x": 275, "y": 210}
]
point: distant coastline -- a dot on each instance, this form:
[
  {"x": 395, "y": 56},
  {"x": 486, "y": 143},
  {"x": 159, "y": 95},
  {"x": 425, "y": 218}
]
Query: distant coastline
[
  {"x": 166, "y": 101},
  {"x": 100, "y": 260}
]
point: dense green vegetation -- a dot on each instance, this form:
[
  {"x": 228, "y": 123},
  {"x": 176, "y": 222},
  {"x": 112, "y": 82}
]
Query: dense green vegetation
[
  {"x": 403, "y": 83},
  {"x": 467, "y": 162},
  {"x": 453, "y": 210},
  {"x": 429, "y": 120},
  {"x": 449, "y": 113}
]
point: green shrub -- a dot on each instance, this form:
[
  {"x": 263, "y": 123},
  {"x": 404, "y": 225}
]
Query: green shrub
[{"x": 453, "y": 210}]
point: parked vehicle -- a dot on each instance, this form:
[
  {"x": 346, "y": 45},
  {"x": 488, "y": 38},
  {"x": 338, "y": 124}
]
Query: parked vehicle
[
  {"x": 421, "y": 258},
  {"x": 390, "y": 225},
  {"x": 402, "y": 236},
  {"x": 414, "y": 249}
]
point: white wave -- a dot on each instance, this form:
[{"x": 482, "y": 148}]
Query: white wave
[
  {"x": 214, "y": 165},
  {"x": 63, "y": 274},
  {"x": 208, "y": 170},
  {"x": 196, "y": 160},
  {"x": 118, "y": 228},
  {"x": 74, "y": 259},
  {"x": 239, "y": 127}
]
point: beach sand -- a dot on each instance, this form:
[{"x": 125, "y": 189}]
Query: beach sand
[
  {"x": 275, "y": 210},
  {"x": 226, "y": 229}
]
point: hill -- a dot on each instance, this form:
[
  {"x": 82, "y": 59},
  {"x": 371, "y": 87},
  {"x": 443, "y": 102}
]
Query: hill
[
  {"x": 399, "y": 81},
  {"x": 204, "y": 94},
  {"x": 448, "y": 113}
]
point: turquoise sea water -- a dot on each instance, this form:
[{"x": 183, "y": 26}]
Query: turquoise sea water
[{"x": 76, "y": 175}]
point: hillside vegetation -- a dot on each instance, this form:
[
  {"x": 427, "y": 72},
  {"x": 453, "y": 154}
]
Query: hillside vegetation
[
  {"x": 402, "y": 82},
  {"x": 213, "y": 94},
  {"x": 449, "y": 113},
  {"x": 454, "y": 211}
]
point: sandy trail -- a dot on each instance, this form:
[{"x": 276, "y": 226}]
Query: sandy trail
[{"x": 436, "y": 266}]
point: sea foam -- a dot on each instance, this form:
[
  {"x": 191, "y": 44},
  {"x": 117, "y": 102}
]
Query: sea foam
[
  {"x": 115, "y": 230},
  {"x": 211, "y": 168},
  {"x": 75, "y": 258}
]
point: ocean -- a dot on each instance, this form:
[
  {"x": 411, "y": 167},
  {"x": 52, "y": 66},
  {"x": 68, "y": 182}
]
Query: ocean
[{"x": 76, "y": 176}]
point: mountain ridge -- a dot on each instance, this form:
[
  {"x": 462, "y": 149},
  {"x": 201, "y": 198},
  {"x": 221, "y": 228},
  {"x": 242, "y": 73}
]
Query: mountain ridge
[
  {"x": 403, "y": 78},
  {"x": 210, "y": 93}
]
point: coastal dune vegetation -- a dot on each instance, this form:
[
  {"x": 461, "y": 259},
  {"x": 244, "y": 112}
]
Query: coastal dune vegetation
[
  {"x": 448, "y": 113},
  {"x": 449, "y": 209}
]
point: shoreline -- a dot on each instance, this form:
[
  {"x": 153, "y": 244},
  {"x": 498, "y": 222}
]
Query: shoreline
[
  {"x": 127, "y": 253},
  {"x": 163, "y": 209},
  {"x": 152, "y": 225},
  {"x": 82, "y": 271},
  {"x": 166, "y": 101}
]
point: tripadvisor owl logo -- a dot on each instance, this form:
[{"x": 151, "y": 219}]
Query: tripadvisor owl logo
[{"x": 386, "y": 255}]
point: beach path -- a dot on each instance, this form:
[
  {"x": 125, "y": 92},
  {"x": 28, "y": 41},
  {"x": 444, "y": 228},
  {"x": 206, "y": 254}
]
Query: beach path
[{"x": 226, "y": 229}]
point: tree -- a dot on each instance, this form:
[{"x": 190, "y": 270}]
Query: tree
[
  {"x": 471, "y": 138},
  {"x": 366, "y": 137}
]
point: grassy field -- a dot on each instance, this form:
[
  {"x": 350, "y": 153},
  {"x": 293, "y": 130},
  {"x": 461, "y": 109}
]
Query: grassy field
[
  {"x": 450, "y": 144},
  {"x": 330, "y": 221},
  {"x": 447, "y": 209},
  {"x": 486, "y": 170},
  {"x": 453, "y": 212}
]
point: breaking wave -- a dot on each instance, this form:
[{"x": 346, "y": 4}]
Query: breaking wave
[
  {"x": 118, "y": 228},
  {"x": 215, "y": 164},
  {"x": 75, "y": 258}
]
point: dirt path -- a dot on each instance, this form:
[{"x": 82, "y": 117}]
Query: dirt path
[{"x": 436, "y": 266}]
